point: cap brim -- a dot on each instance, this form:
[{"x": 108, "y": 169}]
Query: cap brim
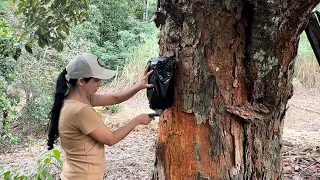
[{"x": 106, "y": 74}]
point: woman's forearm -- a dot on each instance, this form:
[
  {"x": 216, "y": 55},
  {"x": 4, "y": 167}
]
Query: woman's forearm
[
  {"x": 123, "y": 131},
  {"x": 127, "y": 94}
]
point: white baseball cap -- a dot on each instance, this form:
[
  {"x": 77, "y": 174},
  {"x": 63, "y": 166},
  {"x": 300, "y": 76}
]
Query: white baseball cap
[{"x": 86, "y": 65}]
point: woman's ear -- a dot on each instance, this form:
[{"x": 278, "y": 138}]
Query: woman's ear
[{"x": 80, "y": 81}]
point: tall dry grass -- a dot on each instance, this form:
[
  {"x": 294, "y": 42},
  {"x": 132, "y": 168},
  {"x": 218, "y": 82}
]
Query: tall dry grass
[
  {"x": 135, "y": 64},
  {"x": 307, "y": 71}
]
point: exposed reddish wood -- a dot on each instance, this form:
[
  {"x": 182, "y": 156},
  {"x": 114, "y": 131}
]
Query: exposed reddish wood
[{"x": 177, "y": 144}]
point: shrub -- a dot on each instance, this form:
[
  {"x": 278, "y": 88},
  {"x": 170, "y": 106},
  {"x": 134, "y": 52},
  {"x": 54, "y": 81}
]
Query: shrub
[
  {"x": 114, "y": 108},
  {"x": 49, "y": 164}
]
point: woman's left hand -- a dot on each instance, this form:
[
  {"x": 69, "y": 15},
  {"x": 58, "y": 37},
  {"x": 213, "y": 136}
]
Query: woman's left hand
[{"x": 144, "y": 82}]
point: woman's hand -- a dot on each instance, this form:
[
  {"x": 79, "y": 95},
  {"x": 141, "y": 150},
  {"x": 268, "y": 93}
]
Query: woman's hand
[
  {"x": 144, "y": 82},
  {"x": 144, "y": 119},
  {"x": 104, "y": 135}
]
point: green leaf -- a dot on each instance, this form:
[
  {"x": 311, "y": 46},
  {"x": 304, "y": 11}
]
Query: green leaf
[
  {"x": 59, "y": 46},
  {"x": 56, "y": 153},
  {"x": 38, "y": 177},
  {"x": 21, "y": 5},
  {"x": 47, "y": 160},
  {"x": 43, "y": 10},
  {"x": 24, "y": 34},
  {"x": 49, "y": 18},
  {"x": 18, "y": 12},
  {"x": 2, "y": 171},
  {"x": 41, "y": 156},
  {"x": 49, "y": 176},
  {"x": 61, "y": 36},
  {"x": 59, "y": 161},
  {"x": 44, "y": 173},
  {"x": 32, "y": 17},
  {"x": 28, "y": 48},
  {"x": 6, "y": 174},
  {"x": 41, "y": 30},
  {"x": 41, "y": 42},
  {"x": 23, "y": 177},
  {"x": 33, "y": 3},
  {"x": 84, "y": 14}
]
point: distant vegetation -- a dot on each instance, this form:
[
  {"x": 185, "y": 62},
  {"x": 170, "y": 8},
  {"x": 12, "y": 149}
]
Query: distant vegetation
[{"x": 307, "y": 69}]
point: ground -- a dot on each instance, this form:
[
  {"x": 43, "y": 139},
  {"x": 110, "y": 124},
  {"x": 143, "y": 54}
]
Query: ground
[
  {"x": 301, "y": 135},
  {"x": 133, "y": 158}
]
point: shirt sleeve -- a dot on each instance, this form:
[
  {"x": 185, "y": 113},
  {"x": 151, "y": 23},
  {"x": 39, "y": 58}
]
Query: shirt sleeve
[{"x": 88, "y": 120}]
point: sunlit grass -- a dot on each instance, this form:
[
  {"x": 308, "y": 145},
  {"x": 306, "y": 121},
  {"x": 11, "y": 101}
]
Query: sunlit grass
[
  {"x": 135, "y": 64},
  {"x": 307, "y": 69}
]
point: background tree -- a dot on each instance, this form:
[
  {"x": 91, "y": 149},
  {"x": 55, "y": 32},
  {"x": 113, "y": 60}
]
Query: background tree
[
  {"x": 235, "y": 62},
  {"x": 9, "y": 52}
]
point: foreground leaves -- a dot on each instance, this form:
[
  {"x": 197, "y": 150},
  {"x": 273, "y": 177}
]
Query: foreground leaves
[{"x": 47, "y": 161}]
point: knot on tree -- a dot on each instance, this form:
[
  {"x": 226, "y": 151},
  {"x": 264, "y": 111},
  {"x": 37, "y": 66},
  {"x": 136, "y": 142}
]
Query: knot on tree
[
  {"x": 249, "y": 112},
  {"x": 158, "y": 18}
]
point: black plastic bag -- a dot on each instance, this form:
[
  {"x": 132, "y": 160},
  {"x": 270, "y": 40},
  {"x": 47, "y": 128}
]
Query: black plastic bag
[
  {"x": 313, "y": 33},
  {"x": 162, "y": 94}
]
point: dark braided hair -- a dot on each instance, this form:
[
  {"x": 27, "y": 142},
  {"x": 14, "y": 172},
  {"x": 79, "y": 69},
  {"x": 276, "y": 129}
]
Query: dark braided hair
[{"x": 59, "y": 96}]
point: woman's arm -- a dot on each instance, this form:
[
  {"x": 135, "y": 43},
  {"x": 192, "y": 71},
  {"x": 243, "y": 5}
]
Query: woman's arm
[
  {"x": 116, "y": 98},
  {"x": 104, "y": 135}
]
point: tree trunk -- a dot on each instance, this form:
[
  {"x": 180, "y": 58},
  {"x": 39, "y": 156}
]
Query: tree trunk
[
  {"x": 4, "y": 128},
  {"x": 145, "y": 13},
  {"x": 233, "y": 81}
]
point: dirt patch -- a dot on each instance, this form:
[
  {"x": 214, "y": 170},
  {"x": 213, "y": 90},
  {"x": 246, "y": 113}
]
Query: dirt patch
[
  {"x": 301, "y": 150},
  {"x": 134, "y": 156}
]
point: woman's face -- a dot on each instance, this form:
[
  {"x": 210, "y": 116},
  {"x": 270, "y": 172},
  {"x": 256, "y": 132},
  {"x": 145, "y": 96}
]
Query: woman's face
[{"x": 92, "y": 86}]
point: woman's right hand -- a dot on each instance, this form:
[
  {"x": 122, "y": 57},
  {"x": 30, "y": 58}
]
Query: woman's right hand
[
  {"x": 144, "y": 119},
  {"x": 144, "y": 82}
]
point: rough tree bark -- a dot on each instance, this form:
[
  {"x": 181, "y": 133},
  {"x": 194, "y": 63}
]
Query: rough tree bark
[{"x": 235, "y": 62}]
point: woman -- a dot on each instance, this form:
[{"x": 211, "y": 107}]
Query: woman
[{"x": 82, "y": 131}]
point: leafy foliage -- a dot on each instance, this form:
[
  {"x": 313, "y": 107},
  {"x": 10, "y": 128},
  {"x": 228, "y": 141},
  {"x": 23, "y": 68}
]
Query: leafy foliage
[
  {"x": 8, "y": 47},
  {"x": 48, "y": 162},
  {"x": 10, "y": 138},
  {"x": 9, "y": 44},
  {"x": 115, "y": 28},
  {"x": 49, "y": 22}
]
